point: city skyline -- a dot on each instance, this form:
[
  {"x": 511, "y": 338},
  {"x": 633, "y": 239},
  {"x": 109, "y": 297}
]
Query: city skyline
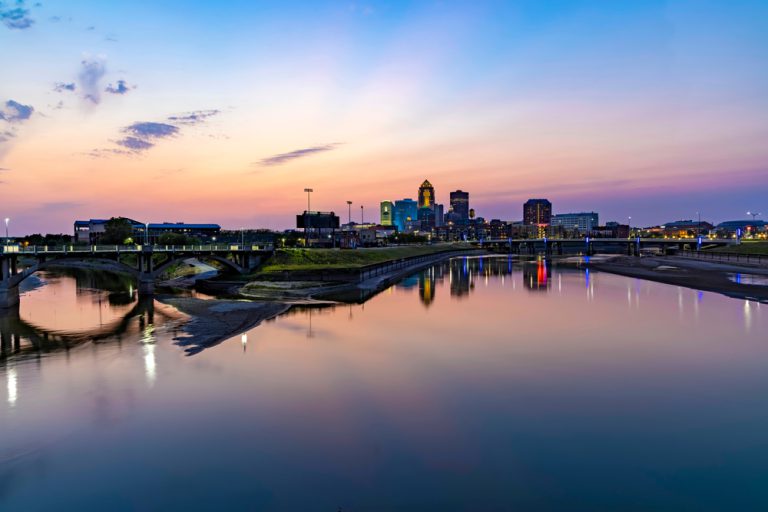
[{"x": 226, "y": 113}]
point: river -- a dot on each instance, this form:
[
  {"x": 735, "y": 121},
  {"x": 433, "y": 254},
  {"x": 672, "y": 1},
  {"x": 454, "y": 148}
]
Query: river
[{"x": 477, "y": 384}]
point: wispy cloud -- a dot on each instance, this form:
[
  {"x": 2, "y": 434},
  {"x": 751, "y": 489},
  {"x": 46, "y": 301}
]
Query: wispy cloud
[
  {"x": 283, "y": 158},
  {"x": 135, "y": 143},
  {"x": 92, "y": 70},
  {"x": 195, "y": 117},
  {"x": 120, "y": 88},
  {"x": 63, "y": 87},
  {"x": 15, "y": 16},
  {"x": 12, "y": 114},
  {"x": 142, "y": 136},
  {"x": 15, "y": 112}
]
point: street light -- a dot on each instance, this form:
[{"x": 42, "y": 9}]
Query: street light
[
  {"x": 146, "y": 233},
  {"x": 242, "y": 238},
  {"x": 362, "y": 214},
  {"x": 349, "y": 213},
  {"x": 753, "y": 214},
  {"x": 629, "y": 225},
  {"x": 308, "y": 218},
  {"x": 7, "y": 220}
]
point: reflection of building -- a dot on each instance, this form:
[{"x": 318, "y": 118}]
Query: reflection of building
[
  {"x": 386, "y": 213},
  {"x": 461, "y": 276},
  {"x": 426, "y": 195},
  {"x": 537, "y": 277},
  {"x": 583, "y": 222},
  {"x": 427, "y": 286},
  {"x": 460, "y": 206},
  {"x": 406, "y": 210}
]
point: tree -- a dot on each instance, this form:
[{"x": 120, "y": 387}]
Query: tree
[{"x": 116, "y": 231}]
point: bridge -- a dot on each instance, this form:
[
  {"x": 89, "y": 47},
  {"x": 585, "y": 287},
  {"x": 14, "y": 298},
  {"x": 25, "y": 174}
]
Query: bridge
[
  {"x": 145, "y": 262},
  {"x": 588, "y": 246}
]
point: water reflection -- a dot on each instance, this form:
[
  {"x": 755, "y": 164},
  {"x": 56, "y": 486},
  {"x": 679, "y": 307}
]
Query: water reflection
[
  {"x": 513, "y": 390},
  {"x": 60, "y": 310}
]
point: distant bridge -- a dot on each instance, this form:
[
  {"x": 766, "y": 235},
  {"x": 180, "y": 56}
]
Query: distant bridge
[
  {"x": 589, "y": 245},
  {"x": 146, "y": 263}
]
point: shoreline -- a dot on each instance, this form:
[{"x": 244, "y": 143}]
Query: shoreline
[
  {"x": 691, "y": 273},
  {"x": 214, "y": 321},
  {"x": 324, "y": 292}
]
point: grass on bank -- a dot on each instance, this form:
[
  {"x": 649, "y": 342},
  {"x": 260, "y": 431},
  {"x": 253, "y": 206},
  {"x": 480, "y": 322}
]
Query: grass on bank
[
  {"x": 745, "y": 247},
  {"x": 316, "y": 259}
]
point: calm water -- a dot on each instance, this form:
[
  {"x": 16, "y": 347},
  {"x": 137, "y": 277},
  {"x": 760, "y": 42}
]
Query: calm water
[{"x": 475, "y": 385}]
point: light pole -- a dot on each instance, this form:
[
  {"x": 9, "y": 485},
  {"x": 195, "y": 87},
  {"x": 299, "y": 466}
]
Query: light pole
[
  {"x": 698, "y": 224},
  {"x": 753, "y": 214},
  {"x": 629, "y": 225},
  {"x": 362, "y": 214},
  {"x": 146, "y": 233},
  {"x": 7, "y": 220},
  {"x": 242, "y": 237},
  {"x": 307, "y": 218},
  {"x": 349, "y": 213}
]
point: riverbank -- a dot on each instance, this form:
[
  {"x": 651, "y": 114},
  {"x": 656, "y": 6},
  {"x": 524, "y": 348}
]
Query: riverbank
[
  {"x": 214, "y": 321},
  {"x": 353, "y": 283},
  {"x": 691, "y": 273}
]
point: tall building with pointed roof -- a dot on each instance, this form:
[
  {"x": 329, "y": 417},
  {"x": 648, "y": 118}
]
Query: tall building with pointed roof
[{"x": 427, "y": 195}]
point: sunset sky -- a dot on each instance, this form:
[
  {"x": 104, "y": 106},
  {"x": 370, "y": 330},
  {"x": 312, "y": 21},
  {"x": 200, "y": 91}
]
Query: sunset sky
[{"x": 205, "y": 112}]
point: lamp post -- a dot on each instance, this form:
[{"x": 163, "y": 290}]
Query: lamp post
[
  {"x": 242, "y": 238},
  {"x": 753, "y": 214},
  {"x": 362, "y": 214},
  {"x": 629, "y": 225},
  {"x": 146, "y": 233},
  {"x": 349, "y": 213},
  {"x": 7, "y": 220},
  {"x": 307, "y": 218},
  {"x": 698, "y": 224}
]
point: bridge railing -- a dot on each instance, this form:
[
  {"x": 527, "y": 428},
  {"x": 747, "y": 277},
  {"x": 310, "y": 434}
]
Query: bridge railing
[
  {"x": 727, "y": 257},
  {"x": 101, "y": 248}
]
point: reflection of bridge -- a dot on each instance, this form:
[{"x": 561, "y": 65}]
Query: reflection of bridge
[
  {"x": 588, "y": 245},
  {"x": 145, "y": 263},
  {"x": 13, "y": 329}
]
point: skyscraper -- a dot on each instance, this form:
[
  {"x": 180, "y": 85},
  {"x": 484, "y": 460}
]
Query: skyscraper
[
  {"x": 386, "y": 210},
  {"x": 406, "y": 210},
  {"x": 537, "y": 212},
  {"x": 426, "y": 195},
  {"x": 460, "y": 206}
]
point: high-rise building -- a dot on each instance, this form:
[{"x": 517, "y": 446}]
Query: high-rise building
[
  {"x": 537, "y": 212},
  {"x": 386, "y": 210},
  {"x": 460, "y": 206},
  {"x": 439, "y": 215},
  {"x": 426, "y": 195},
  {"x": 405, "y": 211},
  {"x": 583, "y": 221}
]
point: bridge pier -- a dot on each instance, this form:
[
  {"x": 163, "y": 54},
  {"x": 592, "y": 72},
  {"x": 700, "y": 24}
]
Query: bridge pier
[{"x": 9, "y": 295}]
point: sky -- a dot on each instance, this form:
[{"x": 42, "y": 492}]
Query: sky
[{"x": 226, "y": 111}]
